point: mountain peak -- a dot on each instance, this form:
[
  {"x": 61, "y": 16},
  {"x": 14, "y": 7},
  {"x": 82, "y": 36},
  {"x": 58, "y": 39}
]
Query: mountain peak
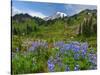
[
  {"x": 56, "y": 15},
  {"x": 61, "y": 14}
]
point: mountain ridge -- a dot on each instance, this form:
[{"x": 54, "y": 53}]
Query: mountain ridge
[{"x": 52, "y": 17}]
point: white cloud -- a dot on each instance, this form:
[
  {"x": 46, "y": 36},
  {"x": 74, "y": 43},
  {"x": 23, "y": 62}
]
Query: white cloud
[
  {"x": 16, "y": 11},
  {"x": 32, "y": 13},
  {"x": 35, "y": 13},
  {"x": 76, "y": 8}
]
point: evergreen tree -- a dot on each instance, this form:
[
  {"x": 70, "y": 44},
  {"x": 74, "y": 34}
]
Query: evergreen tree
[{"x": 79, "y": 31}]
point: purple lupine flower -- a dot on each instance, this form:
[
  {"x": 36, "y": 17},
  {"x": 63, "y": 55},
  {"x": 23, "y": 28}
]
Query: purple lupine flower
[
  {"x": 76, "y": 48},
  {"x": 76, "y": 56},
  {"x": 49, "y": 61},
  {"x": 76, "y": 68},
  {"x": 50, "y": 66},
  {"x": 34, "y": 46},
  {"x": 59, "y": 44},
  {"x": 37, "y": 44},
  {"x": 67, "y": 46},
  {"x": 60, "y": 64},
  {"x": 84, "y": 46},
  {"x": 75, "y": 43},
  {"x": 93, "y": 59},
  {"x": 67, "y": 68},
  {"x": 31, "y": 48},
  {"x": 17, "y": 49},
  {"x": 55, "y": 61},
  {"x": 62, "y": 50},
  {"x": 83, "y": 53},
  {"x": 58, "y": 59}
]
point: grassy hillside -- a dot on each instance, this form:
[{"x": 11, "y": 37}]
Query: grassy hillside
[{"x": 65, "y": 28}]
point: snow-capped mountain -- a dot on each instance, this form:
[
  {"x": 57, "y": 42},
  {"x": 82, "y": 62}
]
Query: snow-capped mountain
[{"x": 56, "y": 15}]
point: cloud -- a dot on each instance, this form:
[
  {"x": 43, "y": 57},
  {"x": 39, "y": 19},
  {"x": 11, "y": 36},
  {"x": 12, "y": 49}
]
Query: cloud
[
  {"x": 35, "y": 13},
  {"x": 30, "y": 12},
  {"x": 73, "y": 9},
  {"x": 15, "y": 11}
]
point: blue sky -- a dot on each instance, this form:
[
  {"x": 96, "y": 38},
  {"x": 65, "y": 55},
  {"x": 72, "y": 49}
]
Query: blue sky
[{"x": 46, "y": 9}]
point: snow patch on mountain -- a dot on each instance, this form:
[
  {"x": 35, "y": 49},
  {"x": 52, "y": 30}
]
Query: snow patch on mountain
[{"x": 56, "y": 15}]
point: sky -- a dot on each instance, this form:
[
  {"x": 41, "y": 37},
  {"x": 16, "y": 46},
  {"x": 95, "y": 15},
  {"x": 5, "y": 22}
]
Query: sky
[{"x": 42, "y": 10}]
